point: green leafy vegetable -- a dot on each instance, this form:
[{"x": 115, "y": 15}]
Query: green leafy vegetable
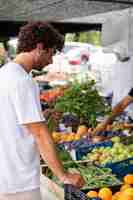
[{"x": 83, "y": 100}]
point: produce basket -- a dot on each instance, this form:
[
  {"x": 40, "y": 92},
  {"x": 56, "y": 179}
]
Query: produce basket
[
  {"x": 72, "y": 193},
  {"x": 80, "y": 152},
  {"x": 121, "y": 168}
]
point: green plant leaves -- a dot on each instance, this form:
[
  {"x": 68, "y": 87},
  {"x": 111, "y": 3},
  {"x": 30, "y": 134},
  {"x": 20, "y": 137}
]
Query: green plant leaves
[{"x": 83, "y": 100}]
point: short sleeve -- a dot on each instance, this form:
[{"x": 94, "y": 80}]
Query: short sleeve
[
  {"x": 131, "y": 92},
  {"x": 26, "y": 102}
]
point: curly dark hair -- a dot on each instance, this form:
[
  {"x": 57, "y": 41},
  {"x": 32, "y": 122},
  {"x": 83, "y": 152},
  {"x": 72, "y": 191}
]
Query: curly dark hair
[{"x": 35, "y": 32}]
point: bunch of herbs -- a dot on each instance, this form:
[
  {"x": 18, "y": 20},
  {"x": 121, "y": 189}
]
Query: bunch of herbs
[{"x": 84, "y": 101}]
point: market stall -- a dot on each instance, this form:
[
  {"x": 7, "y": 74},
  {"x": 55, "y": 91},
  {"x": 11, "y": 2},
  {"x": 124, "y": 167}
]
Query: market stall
[{"x": 105, "y": 160}]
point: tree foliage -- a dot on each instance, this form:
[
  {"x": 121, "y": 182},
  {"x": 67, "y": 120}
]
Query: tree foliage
[{"x": 92, "y": 37}]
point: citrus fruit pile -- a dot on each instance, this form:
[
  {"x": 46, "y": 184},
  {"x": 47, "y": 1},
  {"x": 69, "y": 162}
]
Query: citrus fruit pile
[{"x": 125, "y": 192}]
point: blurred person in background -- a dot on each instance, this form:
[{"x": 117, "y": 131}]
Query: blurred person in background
[
  {"x": 117, "y": 110},
  {"x": 120, "y": 84},
  {"x": 122, "y": 81}
]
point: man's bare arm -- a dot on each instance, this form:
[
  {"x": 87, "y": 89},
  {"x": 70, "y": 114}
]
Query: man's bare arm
[
  {"x": 117, "y": 110},
  {"x": 48, "y": 152}
]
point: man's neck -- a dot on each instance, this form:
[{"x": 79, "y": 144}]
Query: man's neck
[{"x": 25, "y": 60}]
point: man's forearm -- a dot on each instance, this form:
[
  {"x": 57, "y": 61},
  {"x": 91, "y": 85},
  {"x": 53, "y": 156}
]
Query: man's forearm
[
  {"x": 48, "y": 152},
  {"x": 118, "y": 109},
  {"x": 47, "y": 149}
]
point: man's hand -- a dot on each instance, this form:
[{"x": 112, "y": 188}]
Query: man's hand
[{"x": 73, "y": 179}]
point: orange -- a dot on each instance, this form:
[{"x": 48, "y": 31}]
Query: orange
[
  {"x": 123, "y": 197},
  {"x": 128, "y": 191},
  {"x": 92, "y": 194},
  {"x": 105, "y": 194},
  {"x": 128, "y": 179},
  {"x": 116, "y": 196},
  {"x": 127, "y": 194},
  {"x": 124, "y": 187}
]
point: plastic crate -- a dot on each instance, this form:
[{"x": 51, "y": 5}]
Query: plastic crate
[
  {"x": 80, "y": 152},
  {"x": 121, "y": 168},
  {"x": 73, "y": 193}
]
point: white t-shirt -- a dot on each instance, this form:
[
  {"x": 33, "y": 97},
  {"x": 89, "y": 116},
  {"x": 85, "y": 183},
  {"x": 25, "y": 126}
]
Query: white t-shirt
[
  {"x": 122, "y": 82},
  {"x": 19, "y": 105}
]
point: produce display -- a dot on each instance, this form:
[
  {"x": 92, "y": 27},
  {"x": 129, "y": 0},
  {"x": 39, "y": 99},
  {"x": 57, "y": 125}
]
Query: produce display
[
  {"x": 51, "y": 94},
  {"x": 117, "y": 152},
  {"x": 68, "y": 137},
  {"x": 63, "y": 154},
  {"x": 94, "y": 176},
  {"x": 73, "y": 193},
  {"x": 83, "y": 135},
  {"x": 84, "y": 101},
  {"x": 71, "y": 118},
  {"x": 83, "y": 138},
  {"x": 101, "y": 184},
  {"x": 112, "y": 133},
  {"x": 65, "y": 137},
  {"x": 124, "y": 193},
  {"x": 122, "y": 125}
]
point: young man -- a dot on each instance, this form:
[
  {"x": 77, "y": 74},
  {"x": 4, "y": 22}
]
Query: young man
[
  {"x": 118, "y": 109},
  {"x": 24, "y": 133}
]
